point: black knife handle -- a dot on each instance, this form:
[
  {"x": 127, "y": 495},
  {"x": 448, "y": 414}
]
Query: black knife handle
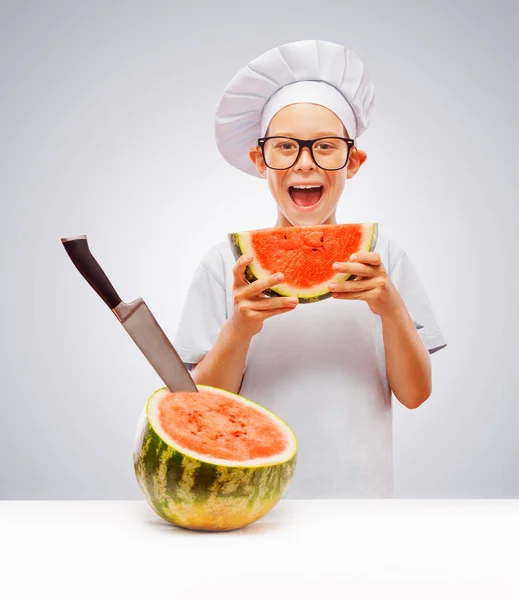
[{"x": 79, "y": 252}]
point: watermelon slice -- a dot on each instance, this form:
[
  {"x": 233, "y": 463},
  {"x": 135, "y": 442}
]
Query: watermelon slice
[
  {"x": 212, "y": 460},
  {"x": 304, "y": 254}
]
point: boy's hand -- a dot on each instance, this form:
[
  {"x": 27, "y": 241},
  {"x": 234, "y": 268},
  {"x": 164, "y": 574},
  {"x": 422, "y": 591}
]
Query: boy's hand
[
  {"x": 372, "y": 285},
  {"x": 251, "y": 306}
]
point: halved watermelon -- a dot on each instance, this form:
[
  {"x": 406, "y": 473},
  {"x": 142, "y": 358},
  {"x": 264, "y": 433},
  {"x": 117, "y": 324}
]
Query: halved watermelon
[
  {"x": 304, "y": 254},
  {"x": 212, "y": 460}
]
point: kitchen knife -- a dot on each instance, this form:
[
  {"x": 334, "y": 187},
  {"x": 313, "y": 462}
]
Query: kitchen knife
[{"x": 135, "y": 317}]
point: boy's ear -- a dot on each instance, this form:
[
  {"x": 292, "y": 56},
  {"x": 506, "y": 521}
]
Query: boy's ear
[
  {"x": 257, "y": 158},
  {"x": 356, "y": 160}
]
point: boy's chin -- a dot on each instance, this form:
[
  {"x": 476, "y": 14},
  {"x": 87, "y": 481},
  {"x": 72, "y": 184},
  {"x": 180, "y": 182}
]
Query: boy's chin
[{"x": 299, "y": 219}]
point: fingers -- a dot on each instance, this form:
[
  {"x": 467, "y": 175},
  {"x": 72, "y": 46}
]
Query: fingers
[
  {"x": 349, "y": 295},
  {"x": 267, "y": 304},
  {"x": 370, "y": 258},
  {"x": 254, "y": 289},
  {"x": 239, "y": 270},
  {"x": 358, "y": 285},
  {"x": 354, "y": 268},
  {"x": 250, "y": 303},
  {"x": 262, "y": 315}
]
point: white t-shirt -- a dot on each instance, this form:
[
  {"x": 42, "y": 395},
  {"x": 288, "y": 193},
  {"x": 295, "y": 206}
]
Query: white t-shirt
[{"x": 321, "y": 368}]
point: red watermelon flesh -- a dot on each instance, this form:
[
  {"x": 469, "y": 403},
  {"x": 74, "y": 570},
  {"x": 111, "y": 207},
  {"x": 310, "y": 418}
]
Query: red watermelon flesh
[
  {"x": 305, "y": 255},
  {"x": 220, "y": 426}
]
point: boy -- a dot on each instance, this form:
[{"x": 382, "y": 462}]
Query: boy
[{"x": 327, "y": 368}]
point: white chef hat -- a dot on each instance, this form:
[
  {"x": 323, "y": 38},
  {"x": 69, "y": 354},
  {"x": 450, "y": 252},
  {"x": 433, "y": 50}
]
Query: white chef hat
[{"x": 312, "y": 71}]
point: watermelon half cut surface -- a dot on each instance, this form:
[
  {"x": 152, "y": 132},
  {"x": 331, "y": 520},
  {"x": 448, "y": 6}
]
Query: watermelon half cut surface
[
  {"x": 304, "y": 255},
  {"x": 212, "y": 460}
]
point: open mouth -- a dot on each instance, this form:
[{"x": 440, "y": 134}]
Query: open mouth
[{"x": 306, "y": 197}]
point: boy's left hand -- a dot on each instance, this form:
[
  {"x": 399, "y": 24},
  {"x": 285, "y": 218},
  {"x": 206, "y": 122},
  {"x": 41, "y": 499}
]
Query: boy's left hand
[{"x": 374, "y": 286}]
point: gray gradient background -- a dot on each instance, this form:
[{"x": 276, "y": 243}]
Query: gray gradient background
[{"x": 106, "y": 119}]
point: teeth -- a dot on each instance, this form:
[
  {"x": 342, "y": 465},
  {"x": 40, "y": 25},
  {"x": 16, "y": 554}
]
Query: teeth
[{"x": 305, "y": 187}]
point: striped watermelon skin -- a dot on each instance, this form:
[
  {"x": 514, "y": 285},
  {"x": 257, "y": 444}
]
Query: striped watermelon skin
[{"x": 198, "y": 495}]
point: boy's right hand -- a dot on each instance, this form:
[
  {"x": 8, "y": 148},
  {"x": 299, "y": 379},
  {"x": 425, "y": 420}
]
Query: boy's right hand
[{"x": 251, "y": 306}]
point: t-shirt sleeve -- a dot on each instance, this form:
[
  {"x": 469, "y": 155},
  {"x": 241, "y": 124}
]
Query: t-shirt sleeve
[
  {"x": 203, "y": 315},
  {"x": 407, "y": 281}
]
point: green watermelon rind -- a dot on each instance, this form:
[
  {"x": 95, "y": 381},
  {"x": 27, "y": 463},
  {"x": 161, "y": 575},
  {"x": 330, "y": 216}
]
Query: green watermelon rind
[
  {"x": 204, "y": 494},
  {"x": 240, "y": 246}
]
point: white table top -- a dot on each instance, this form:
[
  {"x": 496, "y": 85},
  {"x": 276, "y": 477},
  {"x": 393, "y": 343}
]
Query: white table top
[{"x": 302, "y": 549}]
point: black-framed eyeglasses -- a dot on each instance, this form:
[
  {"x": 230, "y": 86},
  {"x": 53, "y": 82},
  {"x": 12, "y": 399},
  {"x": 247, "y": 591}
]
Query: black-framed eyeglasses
[{"x": 282, "y": 152}]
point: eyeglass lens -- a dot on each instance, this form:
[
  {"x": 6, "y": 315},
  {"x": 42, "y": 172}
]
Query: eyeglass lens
[{"x": 329, "y": 153}]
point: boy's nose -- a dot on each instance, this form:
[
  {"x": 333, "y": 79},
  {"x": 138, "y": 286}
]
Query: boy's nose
[{"x": 305, "y": 160}]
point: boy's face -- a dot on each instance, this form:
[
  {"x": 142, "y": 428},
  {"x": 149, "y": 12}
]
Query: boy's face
[{"x": 306, "y": 121}]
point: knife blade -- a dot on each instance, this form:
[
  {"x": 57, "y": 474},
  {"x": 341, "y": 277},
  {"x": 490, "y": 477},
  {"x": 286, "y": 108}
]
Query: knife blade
[{"x": 135, "y": 317}]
